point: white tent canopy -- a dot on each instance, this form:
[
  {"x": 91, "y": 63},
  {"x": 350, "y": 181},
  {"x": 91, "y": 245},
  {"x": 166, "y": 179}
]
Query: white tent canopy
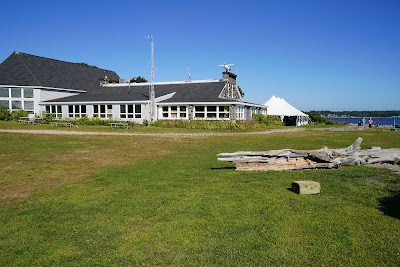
[{"x": 279, "y": 107}]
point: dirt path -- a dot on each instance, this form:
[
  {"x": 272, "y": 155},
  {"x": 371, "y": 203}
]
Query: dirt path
[{"x": 62, "y": 132}]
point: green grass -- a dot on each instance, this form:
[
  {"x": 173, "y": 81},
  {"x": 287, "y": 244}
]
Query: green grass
[{"x": 132, "y": 201}]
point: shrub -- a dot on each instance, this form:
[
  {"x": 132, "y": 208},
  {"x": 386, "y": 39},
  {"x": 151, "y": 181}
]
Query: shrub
[
  {"x": 47, "y": 118},
  {"x": 97, "y": 121},
  {"x": 4, "y": 114},
  {"x": 330, "y": 122},
  {"x": 317, "y": 118},
  {"x": 18, "y": 113},
  {"x": 266, "y": 120},
  {"x": 210, "y": 125}
]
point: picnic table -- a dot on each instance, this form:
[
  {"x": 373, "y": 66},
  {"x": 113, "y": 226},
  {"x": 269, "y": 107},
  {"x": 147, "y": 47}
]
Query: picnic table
[
  {"x": 61, "y": 123},
  {"x": 26, "y": 120},
  {"x": 115, "y": 125}
]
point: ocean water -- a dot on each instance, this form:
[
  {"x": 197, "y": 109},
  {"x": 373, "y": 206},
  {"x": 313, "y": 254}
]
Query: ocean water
[{"x": 380, "y": 120}]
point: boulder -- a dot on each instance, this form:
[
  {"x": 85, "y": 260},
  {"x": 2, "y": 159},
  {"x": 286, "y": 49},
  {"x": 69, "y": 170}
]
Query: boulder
[{"x": 306, "y": 187}]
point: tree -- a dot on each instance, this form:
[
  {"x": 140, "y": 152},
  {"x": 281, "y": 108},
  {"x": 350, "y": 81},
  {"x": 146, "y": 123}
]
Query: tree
[
  {"x": 87, "y": 65},
  {"x": 240, "y": 91},
  {"x": 138, "y": 79}
]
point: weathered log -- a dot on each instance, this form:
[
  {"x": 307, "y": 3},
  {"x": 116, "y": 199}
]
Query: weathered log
[{"x": 325, "y": 158}]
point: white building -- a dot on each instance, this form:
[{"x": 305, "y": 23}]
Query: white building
[{"x": 72, "y": 90}]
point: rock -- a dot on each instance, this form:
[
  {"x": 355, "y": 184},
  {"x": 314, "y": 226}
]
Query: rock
[{"x": 306, "y": 187}]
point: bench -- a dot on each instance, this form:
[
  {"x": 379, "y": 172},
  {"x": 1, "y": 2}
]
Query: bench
[
  {"x": 59, "y": 123},
  {"x": 115, "y": 125},
  {"x": 27, "y": 121}
]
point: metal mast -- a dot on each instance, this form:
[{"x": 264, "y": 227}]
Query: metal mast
[{"x": 153, "y": 106}]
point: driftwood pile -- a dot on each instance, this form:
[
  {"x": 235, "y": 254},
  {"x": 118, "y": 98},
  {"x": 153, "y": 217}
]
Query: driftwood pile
[{"x": 325, "y": 158}]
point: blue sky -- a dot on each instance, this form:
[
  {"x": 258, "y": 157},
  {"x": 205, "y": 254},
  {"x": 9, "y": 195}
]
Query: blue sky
[{"x": 317, "y": 54}]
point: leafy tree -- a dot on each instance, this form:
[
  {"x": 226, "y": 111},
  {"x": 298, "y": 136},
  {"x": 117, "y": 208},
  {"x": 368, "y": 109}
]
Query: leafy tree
[
  {"x": 316, "y": 117},
  {"x": 85, "y": 64},
  {"x": 240, "y": 91},
  {"x": 138, "y": 79}
]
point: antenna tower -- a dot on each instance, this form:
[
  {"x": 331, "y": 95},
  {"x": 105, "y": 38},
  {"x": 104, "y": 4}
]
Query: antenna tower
[
  {"x": 153, "y": 107},
  {"x": 189, "y": 78}
]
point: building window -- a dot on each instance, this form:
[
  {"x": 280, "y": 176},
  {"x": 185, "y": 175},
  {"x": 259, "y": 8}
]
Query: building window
[
  {"x": 16, "y": 104},
  {"x": 28, "y": 105},
  {"x": 174, "y": 112},
  {"x": 223, "y": 112},
  {"x": 130, "y": 111},
  {"x": 102, "y": 111},
  {"x": 55, "y": 110},
  {"x": 165, "y": 112},
  {"x": 5, "y": 103},
  {"x": 99, "y": 111},
  {"x": 183, "y": 112},
  {"x": 4, "y": 92},
  {"x": 76, "y": 111},
  {"x": 16, "y": 92},
  {"x": 239, "y": 113},
  {"x": 28, "y": 93},
  {"x": 211, "y": 112},
  {"x": 138, "y": 111},
  {"x": 199, "y": 112}
]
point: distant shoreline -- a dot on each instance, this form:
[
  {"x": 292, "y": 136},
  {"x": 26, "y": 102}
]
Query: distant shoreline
[{"x": 357, "y": 114}]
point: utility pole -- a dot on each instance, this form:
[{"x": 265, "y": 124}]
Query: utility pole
[{"x": 153, "y": 106}]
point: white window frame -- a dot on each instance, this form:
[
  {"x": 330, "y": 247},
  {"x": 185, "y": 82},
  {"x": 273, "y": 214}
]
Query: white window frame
[
  {"x": 76, "y": 111},
  {"x": 212, "y": 114},
  {"x": 240, "y": 113},
  {"x": 106, "y": 114},
  {"x": 135, "y": 114},
  {"x": 55, "y": 110},
  {"x": 174, "y": 112}
]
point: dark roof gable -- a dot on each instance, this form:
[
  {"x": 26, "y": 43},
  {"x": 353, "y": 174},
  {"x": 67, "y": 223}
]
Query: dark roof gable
[
  {"x": 30, "y": 70},
  {"x": 189, "y": 92}
]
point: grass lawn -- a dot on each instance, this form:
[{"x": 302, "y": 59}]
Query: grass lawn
[{"x": 167, "y": 201}]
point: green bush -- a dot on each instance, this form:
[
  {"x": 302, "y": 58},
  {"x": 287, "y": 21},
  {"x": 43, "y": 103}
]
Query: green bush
[
  {"x": 97, "y": 121},
  {"x": 317, "y": 118},
  {"x": 214, "y": 125},
  {"x": 4, "y": 114},
  {"x": 330, "y": 122},
  {"x": 18, "y": 113},
  {"x": 266, "y": 120},
  {"x": 47, "y": 118}
]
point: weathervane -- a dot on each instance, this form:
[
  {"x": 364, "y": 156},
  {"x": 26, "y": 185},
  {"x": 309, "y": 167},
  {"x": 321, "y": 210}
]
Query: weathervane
[{"x": 226, "y": 66}]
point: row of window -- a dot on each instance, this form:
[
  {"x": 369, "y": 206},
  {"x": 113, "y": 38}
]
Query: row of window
[
  {"x": 174, "y": 112},
  {"x": 211, "y": 112},
  {"x": 128, "y": 111},
  {"x": 26, "y": 105},
  {"x": 16, "y": 92},
  {"x": 200, "y": 112},
  {"x": 99, "y": 111}
]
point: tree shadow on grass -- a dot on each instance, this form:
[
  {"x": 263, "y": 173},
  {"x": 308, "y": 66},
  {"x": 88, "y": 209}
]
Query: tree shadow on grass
[
  {"x": 223, "y": 168},
  {"x": 391, "y": 205}
]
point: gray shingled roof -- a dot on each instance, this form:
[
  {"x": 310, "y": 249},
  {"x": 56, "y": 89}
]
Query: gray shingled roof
[
  {"x": 184, "y": 93},
  {"x": 29, "y": 70}
]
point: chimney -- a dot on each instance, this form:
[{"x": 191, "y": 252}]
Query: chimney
[{"x": 230, "y": 77}]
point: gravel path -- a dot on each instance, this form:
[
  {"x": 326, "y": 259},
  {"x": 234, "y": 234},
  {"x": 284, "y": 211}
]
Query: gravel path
[{"x": 62, "y": 132}]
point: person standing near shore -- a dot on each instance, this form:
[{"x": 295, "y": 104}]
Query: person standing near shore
[
  {"x": 370, "y": 121},
  {"x": 363, "y": 121}
]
